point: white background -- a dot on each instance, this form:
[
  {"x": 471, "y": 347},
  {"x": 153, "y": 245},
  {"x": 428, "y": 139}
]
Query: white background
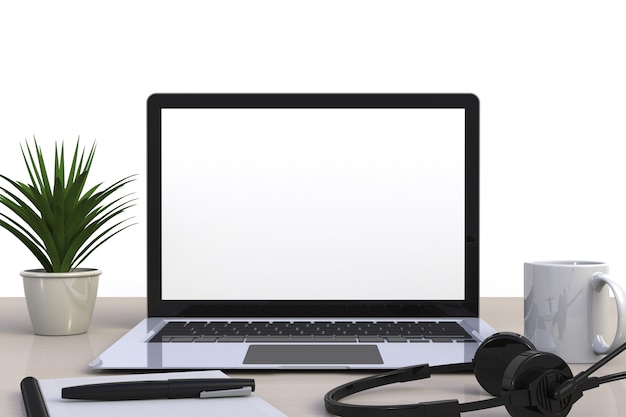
[{"x": 550, "y": 76}]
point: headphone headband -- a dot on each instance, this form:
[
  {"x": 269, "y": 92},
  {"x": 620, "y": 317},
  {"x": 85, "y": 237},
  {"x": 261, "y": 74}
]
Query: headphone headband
[
  {"x": 446, "y": 408},
  {"x": 409, "y": 373}
]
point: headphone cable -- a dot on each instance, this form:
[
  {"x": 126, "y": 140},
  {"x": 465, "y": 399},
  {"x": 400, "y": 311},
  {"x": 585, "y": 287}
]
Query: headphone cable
[
  {"x": 581, "y": 379},
  {"x": 612, "y": 377}
]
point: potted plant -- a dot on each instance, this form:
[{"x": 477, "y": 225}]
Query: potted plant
[{"x": 62, "y": 222}]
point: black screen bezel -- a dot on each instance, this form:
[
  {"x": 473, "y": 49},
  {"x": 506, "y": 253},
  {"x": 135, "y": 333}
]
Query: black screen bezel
[{"x": 157, "y": 307}]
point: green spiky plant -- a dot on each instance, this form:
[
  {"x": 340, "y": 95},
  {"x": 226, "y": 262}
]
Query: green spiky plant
[{"x": 57, "y": 220}]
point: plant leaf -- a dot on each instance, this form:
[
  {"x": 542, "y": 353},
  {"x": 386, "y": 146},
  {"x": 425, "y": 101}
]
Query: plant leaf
[
  {"x": 54, "y": 217},
  {"x": 30, "y": 244}
]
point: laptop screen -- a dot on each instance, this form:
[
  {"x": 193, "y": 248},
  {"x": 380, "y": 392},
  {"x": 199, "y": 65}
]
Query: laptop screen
[{"x": 311, "y": 198}]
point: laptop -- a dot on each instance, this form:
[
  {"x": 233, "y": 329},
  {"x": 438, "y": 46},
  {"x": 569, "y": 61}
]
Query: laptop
[{"x": 309, "y": 231}]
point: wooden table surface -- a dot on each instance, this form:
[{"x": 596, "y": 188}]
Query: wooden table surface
[{"x": 295, "y": 393}]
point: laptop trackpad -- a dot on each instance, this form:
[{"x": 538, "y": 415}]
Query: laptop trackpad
[{"x": 313, "y": 354}]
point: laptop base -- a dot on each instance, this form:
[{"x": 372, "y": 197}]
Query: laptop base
[{"x": 134, "y": 351}]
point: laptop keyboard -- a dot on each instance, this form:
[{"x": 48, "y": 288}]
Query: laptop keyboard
[{"x": 311, "y": 331}]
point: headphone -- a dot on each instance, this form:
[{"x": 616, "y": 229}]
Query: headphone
[{"x": 527, "y": 382}]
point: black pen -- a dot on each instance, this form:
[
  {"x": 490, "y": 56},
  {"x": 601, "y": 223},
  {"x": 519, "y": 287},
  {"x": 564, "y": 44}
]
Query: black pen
[{"x": 171, "y": 388}]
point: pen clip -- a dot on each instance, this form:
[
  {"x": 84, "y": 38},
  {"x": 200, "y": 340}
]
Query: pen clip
[{"x": 238, "y": 392}]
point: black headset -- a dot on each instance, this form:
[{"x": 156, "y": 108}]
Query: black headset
[{"x": 527, "y": 382}]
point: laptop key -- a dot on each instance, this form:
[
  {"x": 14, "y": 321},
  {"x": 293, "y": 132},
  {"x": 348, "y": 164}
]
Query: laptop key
[
  {"x": 256, "y": 339},
  {"x": 205, "y": 339},
  {"x": 334, "y": 339},
  {"x": 161, "y": 339},
  {"x": 278, "y": 338},
  {"x": 441, "y": 340},
  {"x": 396, "y": 339},
  {"x": 231, "y": 339},
  {"x": 182, "y": 339},
  {"x": 371, "y": 339},
  {"x": 417, "y": 340}
]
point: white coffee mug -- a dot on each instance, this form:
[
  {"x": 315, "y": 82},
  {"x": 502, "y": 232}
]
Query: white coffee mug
[{"x": 566, "y": 309}]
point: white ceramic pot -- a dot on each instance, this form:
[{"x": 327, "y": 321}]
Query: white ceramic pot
[{"x": 60, "y": 303}]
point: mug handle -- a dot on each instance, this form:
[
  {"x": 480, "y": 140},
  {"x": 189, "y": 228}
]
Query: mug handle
[{"x": 599, "y": 346}]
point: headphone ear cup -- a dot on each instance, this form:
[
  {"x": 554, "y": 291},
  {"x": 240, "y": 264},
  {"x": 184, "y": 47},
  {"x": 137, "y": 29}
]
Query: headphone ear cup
[
  {"x": 539, "y": 373},
  {"x": 494, "y": 355}
]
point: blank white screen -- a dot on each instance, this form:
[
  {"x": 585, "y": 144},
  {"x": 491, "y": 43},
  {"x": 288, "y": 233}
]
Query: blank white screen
[{"x": 305, "y": 204}]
